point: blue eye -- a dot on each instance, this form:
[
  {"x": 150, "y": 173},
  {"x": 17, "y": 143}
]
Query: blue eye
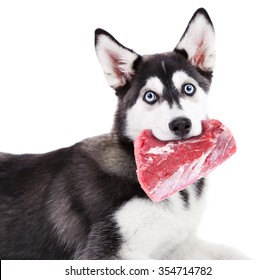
[
  {"x": 150, "y": 97},
  {"x": 189, "y": 89}
]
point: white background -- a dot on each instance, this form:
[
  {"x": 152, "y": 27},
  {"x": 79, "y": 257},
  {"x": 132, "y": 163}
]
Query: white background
[{"x": 53, "y": 92}]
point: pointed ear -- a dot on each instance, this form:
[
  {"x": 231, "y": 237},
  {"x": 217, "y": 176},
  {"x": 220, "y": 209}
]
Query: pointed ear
[
  {"x": 116, "y": 60},
  {"x": 198, "y": 41}
]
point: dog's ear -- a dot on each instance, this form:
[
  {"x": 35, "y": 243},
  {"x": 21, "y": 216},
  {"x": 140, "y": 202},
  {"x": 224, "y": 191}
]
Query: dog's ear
[
  {"x": 116, "y": 60},
  {"x": 197, "y": 43}
]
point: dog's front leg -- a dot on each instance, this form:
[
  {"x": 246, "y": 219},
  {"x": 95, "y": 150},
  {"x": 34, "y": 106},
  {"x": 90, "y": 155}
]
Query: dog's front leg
[
  {"x": 102, "y": 243},
  {"x": 197, "y": 249}
]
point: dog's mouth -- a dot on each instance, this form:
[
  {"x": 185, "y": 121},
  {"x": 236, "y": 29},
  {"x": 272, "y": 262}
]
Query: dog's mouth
[
  {"x": 171, "y": 136},
  {"x": 174, "y": 134}
]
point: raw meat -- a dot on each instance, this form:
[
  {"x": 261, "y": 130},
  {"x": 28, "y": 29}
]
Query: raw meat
[{"x": 164, "y": 168}]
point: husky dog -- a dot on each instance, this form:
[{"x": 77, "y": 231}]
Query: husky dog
[{"x": 84, "y": 201}]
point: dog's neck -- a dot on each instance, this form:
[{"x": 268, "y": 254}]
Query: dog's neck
[{"x": 114, "y": 154}]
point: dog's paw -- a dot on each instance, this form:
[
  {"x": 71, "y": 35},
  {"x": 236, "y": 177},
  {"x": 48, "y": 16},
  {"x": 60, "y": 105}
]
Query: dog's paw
[{"x": 197, "y": 249}]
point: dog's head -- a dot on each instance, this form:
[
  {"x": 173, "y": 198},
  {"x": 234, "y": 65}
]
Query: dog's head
[{"x": 166, "y": 93}]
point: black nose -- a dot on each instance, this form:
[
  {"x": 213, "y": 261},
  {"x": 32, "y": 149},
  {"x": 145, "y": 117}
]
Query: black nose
[{"x": 180, "y": 126}]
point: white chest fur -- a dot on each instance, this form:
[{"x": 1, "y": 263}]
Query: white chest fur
[{"x": 152, "y": 230}]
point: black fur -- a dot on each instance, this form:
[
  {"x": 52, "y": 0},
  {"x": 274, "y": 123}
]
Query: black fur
[
  {"x": 185, "y": 195},
  {"x": 200, "y": 184},
  {"x": 152, "y": 66},
  {"x": 103, "y": 241},
  {"x": 34, "y": 187}
]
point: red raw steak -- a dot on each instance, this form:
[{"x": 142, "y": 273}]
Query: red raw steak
[{"x": 164, "y": 168}]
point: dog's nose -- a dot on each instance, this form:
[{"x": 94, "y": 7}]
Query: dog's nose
[{"x": 180, "y": 126}]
